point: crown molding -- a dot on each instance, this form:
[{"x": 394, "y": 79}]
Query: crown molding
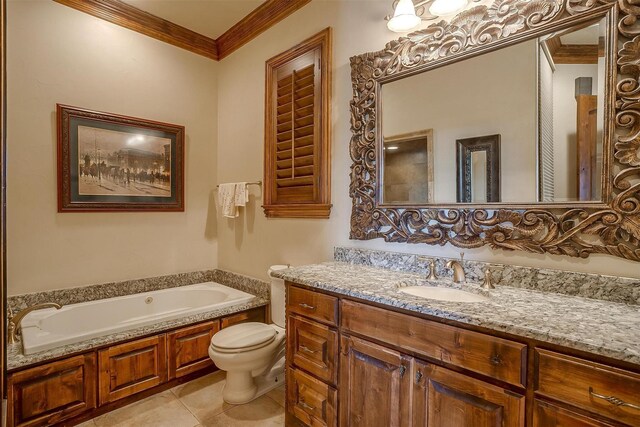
[
  {"x": 127, "y": 16},
  {"x": 123, "y": 14},
  {"x": 261, "y": 19}
]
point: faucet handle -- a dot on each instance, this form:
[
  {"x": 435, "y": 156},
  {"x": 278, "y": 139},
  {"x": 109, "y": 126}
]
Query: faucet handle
[
  {"x": 461, "y": 257},
  {"x": 487, "y": 283},
  {"x": 432, "y": 270}
]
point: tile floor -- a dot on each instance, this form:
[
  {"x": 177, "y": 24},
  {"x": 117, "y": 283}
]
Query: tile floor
[{"x": 197, "y": 404}]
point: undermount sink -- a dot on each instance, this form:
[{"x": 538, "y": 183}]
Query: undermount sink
[{"x": 443, "y": 294}]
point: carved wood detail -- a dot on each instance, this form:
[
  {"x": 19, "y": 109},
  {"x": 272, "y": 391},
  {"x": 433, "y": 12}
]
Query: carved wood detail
[{"x": 578, "y": 230}]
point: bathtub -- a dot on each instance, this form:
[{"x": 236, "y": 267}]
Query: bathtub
[{"x": 50, "y": 328}]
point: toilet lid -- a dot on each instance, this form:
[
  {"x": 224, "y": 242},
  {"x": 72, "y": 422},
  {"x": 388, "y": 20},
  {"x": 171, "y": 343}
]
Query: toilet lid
[{"x": 245, "y": 336}]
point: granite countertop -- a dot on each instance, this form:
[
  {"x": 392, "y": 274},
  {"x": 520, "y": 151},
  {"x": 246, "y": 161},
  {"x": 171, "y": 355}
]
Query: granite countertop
[
  {"x": 605, "y": 328},
  {"x": 15, "y": 358}
]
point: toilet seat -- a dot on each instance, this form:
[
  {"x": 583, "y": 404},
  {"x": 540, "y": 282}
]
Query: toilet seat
[{"x": 243, "y": 337}]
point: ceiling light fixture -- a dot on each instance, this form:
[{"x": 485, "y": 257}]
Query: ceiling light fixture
[
  {"x": 404, "y": 17},
  {"x": 447, "y": 7},
  {"x": 408, "y": 15}
]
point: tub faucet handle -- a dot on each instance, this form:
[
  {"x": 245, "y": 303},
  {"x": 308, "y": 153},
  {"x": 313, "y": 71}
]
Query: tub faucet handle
[{"x": 13, "y": 330}]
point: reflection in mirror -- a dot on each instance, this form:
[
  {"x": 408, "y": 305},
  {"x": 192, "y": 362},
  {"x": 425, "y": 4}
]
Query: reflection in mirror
[
  {"x": 478, "y": 167},
  {"x": 544, "y": 97},
  {"x": 409, "y": 168}
]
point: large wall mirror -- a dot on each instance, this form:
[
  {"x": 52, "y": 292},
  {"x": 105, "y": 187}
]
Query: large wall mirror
[
  {"x": 543, "y": 98},
  {"x": 515, "y": 125}
]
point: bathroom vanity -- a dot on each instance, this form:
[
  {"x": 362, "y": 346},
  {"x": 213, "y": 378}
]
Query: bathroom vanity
[{"x": 360, "y": 353}]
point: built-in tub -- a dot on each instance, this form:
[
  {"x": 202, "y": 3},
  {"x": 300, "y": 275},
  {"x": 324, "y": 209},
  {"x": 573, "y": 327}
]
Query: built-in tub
[{"x": 50, "y": 328}]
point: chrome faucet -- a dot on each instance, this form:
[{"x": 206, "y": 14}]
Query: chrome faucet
[
  {"x": 14, "y": 331},
  {"x": 458, "y": 271}
]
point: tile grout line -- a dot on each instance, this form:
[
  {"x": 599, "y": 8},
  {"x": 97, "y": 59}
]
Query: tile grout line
[{"x": 186, "y": 407}]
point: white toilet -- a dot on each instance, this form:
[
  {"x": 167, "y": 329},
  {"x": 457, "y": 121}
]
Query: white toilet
[{"x": 253, "y": 353}]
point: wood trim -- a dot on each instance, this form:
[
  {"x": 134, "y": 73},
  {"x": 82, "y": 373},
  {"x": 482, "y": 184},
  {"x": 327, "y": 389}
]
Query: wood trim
[
  {"x": 320, "y": 206},
  {"x": 3, "y": 204},
  {"x": 127, "y": 16},
  {"x": 262, "y": 18},
  {"x": 251, "y": 26}
]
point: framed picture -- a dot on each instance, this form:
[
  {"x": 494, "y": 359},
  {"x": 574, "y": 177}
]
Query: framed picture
[
  {"x": 108, "y": 162},
  {"x": 478, "y": 169}
]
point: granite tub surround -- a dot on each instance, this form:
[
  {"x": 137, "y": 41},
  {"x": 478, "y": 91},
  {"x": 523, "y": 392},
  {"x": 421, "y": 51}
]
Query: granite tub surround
[
  {"x": 15, "y": 358},
  {"x": 609, "y": 288},
  {"x": 128, "y": 287},
  {"x": 596, "y": 326}
]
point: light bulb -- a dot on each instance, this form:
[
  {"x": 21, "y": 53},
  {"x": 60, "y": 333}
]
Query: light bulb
[
  {"x": 404, "y": 17},
  {"x": 447, "y": 7}
]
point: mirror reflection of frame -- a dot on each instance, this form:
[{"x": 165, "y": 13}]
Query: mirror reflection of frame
[
  {"x": 478, "y": 169},
  {"x": 408, "y": 167},
  {"x": 607, "y": 223}
]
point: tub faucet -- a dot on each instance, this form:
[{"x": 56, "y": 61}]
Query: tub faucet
[
  {"x": 14, "y": 323},
  {"x": 458, "y": 271}
]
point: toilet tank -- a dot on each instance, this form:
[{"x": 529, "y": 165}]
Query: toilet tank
[{"x": 277, "y": 297}]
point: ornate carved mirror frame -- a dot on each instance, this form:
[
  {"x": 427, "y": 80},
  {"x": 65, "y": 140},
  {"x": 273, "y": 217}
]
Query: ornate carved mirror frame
[{"x": 611, "y": 226}]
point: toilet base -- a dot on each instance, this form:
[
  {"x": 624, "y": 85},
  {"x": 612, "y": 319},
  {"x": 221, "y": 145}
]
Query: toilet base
[{"x": 248, "y": 388}]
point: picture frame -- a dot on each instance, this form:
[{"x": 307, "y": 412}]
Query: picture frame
[
  {"x": 114, "y": 163},
  {"x": 490, "y": 144}
]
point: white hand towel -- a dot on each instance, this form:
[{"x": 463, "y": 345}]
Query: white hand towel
[
  {"x": 241, "y": 195},
  {"x": 226, "y": 199}
]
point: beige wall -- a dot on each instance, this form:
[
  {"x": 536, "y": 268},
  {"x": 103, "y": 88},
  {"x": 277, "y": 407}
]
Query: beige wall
[
  {"x": 488, "y": 82},
  {"x": 59, "y": 55},
  {"x": 251, "y": 243}
]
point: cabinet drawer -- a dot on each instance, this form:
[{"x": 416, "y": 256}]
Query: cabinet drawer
[
  {"x": 310, "y": 400},
  {"x": 313, "y": 347},
  {"x": 188, "y": 348},
  {"x": 546, "y": 414},
  {"x": 587, "y": 385},
  {"x": 495, "y": 357},
  {"x": 323, "y": 308},
  {"x": 51, "y": 393},
  {"x": 132, "y": 367}
]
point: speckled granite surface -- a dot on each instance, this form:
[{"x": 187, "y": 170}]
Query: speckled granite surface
[
  {"x": 15, "y": 358},
  {"x": 128, "y": 287},
  {"x": 600, "y": 327},
  {"x": 608, "y": 288}
]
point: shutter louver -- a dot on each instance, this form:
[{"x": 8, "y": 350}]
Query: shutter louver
[{"x": 296, "y": 133}]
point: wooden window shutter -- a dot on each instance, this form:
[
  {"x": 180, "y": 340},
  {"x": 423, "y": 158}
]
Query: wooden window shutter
[{"x": 297, "y": 131}]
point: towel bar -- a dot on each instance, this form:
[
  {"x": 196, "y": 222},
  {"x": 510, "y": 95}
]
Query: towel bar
[{"x": 248, "y": 183}]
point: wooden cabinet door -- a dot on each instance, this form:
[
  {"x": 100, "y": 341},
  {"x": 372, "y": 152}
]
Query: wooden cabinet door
[
  {"x": 375, "y": 385},
  {"x": 549, "y": 415},
  {"x": 51, "y": 393},
  {"x": 443, "y": 398},
  {"x": 188, "y": 348},
  {"x": 313, "y": 347},
  {"x": 310, "y": 401},
  {"x": 253, "y": 315},
  {"x": 132, "y": 367}
]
